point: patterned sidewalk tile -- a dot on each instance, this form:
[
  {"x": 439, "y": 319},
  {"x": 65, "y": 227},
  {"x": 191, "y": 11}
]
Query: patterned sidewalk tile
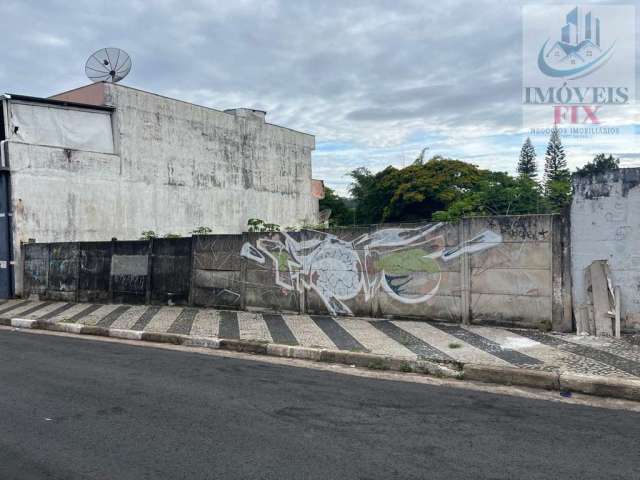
[
  {"x": 374, "y": 340},
  {"x": 251, "y": 326},
  {"x": 206, "y": 323},
  {"x": 397, "y": 338},
  {"x": 130, "y": 317},
  {"x": 461, "y": 351},
  {"x": 307, "y": 332},
  {"x": 163, "y": 319}
]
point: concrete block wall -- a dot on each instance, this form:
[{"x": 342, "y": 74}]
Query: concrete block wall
[
  {"x": 512, "y": 281},
  {"x": 497, "y": 270}
]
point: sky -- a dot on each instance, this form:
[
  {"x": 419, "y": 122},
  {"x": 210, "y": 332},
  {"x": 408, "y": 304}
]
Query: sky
[{"x": 374, "y": 81}]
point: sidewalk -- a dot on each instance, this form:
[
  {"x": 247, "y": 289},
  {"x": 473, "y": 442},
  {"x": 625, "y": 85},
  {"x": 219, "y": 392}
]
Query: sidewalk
[{"x": 600, "y": 366}]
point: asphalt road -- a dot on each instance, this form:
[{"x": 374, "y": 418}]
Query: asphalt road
[{"x": 73, "y": 408}]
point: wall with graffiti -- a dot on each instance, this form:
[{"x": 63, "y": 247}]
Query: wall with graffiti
[
  {"x": 493, "y": 270},
  {"x": 367, "y": 271},
  {"x": 486, "y": 270}
]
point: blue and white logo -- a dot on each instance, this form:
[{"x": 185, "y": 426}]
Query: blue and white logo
[{"x": 580, "y": 50}]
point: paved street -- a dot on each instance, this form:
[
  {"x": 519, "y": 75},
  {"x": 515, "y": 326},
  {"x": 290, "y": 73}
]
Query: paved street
[{"x": 75, "y": 408}]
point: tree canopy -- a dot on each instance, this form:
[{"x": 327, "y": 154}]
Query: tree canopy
[
  {"x": 445, "y": 189},
  {"x": 601, "y": 163}
]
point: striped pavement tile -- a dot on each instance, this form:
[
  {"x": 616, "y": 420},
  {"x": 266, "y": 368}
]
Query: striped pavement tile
[
  {"x": 27, "y": 308},
  {"x": 397, "y": 338},
  {"x": 163, "y": 319},
  {"x": 509, "y": 340},
  {"x": 552, "y": 358},
  {"x": 15, "y": 307},
  {"x": 251, "y": 326},
  {"x": 182, "y": 325},
  {"x": 7, "y": 305},
  {"x": 142, "y": 322},
  {"x": 613, "y": 362},
  {"x": 463, "y": 352},
  {"x": 206, "y": 323},
  {"x": 38, "y": 310},
  {"x": 338, "y": 335},
  {"x": 509, "y": 355},
  {"x": 278, "y": 329},
  {"x": 373, "y": 339},
  {"x": 54, "y": 310},
  {"x": 413, "y": 343},
  {"x": 33, "y": 310},
  {"x": 129, "y": 318},
  {"x": 112, "y": 316},
  {"x": 77, "y": 314},
  {"x": 228, "y": 326},
  {"x": 92, "y": 318},
  {"x": 615, "y": 346},
  {"x": 307, "y": 332}
]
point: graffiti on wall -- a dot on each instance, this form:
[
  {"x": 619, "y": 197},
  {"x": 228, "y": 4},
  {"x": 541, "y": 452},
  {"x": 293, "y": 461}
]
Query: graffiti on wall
[{"x": 404, "y": 263}]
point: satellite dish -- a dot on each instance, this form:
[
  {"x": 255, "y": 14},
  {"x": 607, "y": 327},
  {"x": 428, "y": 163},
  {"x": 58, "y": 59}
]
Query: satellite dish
[{"x": 108, "y": 65}]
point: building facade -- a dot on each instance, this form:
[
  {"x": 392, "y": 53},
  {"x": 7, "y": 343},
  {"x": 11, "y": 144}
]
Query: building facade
[{"x": 108, "y": 161}]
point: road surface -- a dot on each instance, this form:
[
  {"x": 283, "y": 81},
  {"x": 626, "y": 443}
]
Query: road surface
[{"x": 73, "y": 409}]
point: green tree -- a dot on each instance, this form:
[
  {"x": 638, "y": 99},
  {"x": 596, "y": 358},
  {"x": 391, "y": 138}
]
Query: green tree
[
  {"x": 557, "y": 178},
  {"x": 527, "y": 166},
  {"x": 412, "y": 193},
  {"x": 419, "y": 190},
  {"x": 601, "y": 163},
  {"x": 371, "y": 193},
  {"x": 497, "y": 193},
  {"x": 341, "y": 214}
]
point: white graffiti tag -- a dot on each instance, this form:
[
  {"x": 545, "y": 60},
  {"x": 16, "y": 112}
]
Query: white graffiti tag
[{"x": 405, "y": 263}]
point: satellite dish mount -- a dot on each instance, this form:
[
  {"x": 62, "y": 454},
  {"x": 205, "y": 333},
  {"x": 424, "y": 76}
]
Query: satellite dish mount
[{"x": 108, "y": 65}]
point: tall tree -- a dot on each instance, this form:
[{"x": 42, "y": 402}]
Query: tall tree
[
  {"x": 555, "y": 162},
  {"x": 527, "y": 166},
  {"x": 557, "y": 178}
]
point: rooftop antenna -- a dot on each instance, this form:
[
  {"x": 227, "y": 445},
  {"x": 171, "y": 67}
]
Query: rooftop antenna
[{"x": 108, "y": 65}]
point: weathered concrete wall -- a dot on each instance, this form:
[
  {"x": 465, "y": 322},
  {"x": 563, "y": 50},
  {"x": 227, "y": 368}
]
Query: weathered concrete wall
[
  {"x": 217, "y": 271},
  {"x": 498, "y": 270},
  {"x": 177, "y": 166},
  {"x": 196, "y": 166},
  {"x": 512, "y": 283},
  {"x": 156, "y": 271},
  {"x": 60, "y": 195},
  {"x": 605, "y": 225}
]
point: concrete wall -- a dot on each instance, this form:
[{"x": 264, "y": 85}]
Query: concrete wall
[
  {"x": 176, "y": 167},
  {"x": 605, "y": 225},
  {"x": 498, "y": 270},
  {"x": 196, "y": 166}
]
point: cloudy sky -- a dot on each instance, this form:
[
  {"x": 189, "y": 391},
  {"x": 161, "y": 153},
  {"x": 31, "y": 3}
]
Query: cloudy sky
[{"x": 375, "y": 81}]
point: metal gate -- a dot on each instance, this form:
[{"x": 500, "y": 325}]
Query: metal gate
[{"x": 6, "y": 264}]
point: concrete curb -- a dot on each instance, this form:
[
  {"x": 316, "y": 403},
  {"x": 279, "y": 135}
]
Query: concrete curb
[
  {"x": 512, "y": 376},
  {"x": 628, "y": 389}
]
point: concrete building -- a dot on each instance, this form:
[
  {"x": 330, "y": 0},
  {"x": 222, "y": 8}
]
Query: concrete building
[
  {"x": 605, "y": 225},
  {"x": 107, "y": 161}
]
